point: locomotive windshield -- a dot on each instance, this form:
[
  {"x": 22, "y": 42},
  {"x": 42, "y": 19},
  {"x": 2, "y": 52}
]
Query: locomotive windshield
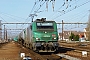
[{"x": 45, "y": 25}]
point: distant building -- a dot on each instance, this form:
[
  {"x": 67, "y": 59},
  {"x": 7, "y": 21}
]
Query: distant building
[{"x": 66, "y": 34}]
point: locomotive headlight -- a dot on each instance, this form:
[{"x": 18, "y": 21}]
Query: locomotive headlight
[
  {"x": 54, "y": 38},
  {"x": 37, "y": 39}
]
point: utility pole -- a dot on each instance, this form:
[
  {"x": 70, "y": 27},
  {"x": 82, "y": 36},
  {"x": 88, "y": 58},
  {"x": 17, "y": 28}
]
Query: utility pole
[
  {"x": 0, "y": 30},
  {"x": 4, "y": 32},
  {"x": 62, "y": 29},
  {"x": 88, "y": 26},
  {"x": 32, "y": 16}
]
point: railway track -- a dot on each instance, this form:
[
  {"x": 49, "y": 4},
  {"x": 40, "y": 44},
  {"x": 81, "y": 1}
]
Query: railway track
[
  {"x": 80, "y": 50},
  {"x": 45, "y": 55},
  {"x": 72, "y": 51},
  {"x": 68, "y": 51},
  {"x": 64, "y": 53}
]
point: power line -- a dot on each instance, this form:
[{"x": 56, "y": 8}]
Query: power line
[
  {"x": 57, "y": 10},
  {"x": 76, "y": 16},
  {"x": 35, "y": 3},
  {"x": 57, "y": 23},
  {"x": 11, "y": 15},
  {"x": 33, "y": 6},
  {"x": 2, "y": 18},
  {"x": 40, "y": 6},
  {"x": 12, "y": 18},
  {"x": 62, "y": 6},
  {"x": 72, "y": 9},
  {"x": 16, "y": 23},
  {"x": 83, "y": 16}
]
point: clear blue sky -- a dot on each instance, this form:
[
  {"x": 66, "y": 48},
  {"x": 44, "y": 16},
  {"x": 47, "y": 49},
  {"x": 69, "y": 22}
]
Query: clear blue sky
[{"x": 19, "y": 11}]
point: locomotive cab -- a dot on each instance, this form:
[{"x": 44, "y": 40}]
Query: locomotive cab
[
  {"x": 45, "y": 35},
  {"x": 40, "y": 36}
]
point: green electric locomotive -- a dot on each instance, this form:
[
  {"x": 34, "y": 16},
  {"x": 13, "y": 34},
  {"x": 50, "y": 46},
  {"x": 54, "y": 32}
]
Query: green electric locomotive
[{"x": 41, "y": 36}]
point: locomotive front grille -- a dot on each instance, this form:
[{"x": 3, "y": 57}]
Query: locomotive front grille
[{"x": 45, "y": 38}]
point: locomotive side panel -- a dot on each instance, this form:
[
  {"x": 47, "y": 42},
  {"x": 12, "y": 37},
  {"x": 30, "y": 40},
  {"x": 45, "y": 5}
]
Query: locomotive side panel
[{"x": 28, "y": 40}]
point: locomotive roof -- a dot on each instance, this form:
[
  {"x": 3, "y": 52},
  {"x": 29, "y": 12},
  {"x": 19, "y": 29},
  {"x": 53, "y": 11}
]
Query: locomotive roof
[{"x": 43, "y": 20}]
